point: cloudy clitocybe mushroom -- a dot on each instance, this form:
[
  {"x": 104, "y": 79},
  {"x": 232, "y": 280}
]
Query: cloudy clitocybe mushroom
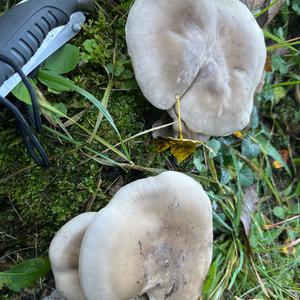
[
  {"x": 154, "y": 239},
  {"x": 64, "y": 256},
  {"x": 211, "y": 53}
]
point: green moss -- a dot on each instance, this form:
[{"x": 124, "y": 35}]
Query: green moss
[
  {"x": 36, "y": 202},
  {"x": 98, "y": 41}
]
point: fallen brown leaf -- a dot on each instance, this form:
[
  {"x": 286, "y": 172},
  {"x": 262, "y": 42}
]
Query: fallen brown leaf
[{"x": 250, "y": 202}]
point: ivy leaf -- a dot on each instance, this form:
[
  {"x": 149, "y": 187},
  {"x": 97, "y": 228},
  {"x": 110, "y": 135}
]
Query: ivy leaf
[
  {"x": 296, "y": 7},
  {"x": 215, "y": 146},
  {"x": 279, "y": 64},
  {"x": 246, "y": 176},
  {"x": 225, "y": 176},
  {"x": 24, "y": 274},
  {"x": 254, "y": 120},
  {"x": 250, "y": 149},
  {"x": 198, "y": 161}
]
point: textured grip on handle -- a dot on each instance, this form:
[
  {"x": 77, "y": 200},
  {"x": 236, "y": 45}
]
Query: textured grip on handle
[{"x": 25, "y": 26}]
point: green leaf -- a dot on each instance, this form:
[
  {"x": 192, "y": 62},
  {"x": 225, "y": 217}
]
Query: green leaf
[
  {"x": 52, "y": 109},
  {"x": 119, "y": 68},
  {"x": 296, "y": 7},
  {"x": 279, "y": 40},
  {"x": 90, "y": 45},
  {"x": 279, "y": 93},
  {"x": 214, "y": 146},
  {"x": 254, "y": 120},
  {"x": 225, "y": 176},
  {"x": 198, "y": 161},
  {"x": 21, "y": 92},
  {"x": 207, "y": 287},
  {"x": 278, "y": 64},
  {"x": 250, "y": 149},
  {"x": 246, "y": 176},
  {"x": 59, "y": 83},
  {"x": 268, "y": 149},
  {"x": 61, "y": 107},
  {"x": 280, "y": 212},
  {"x": 25, "y": 274},
  {"x": 63, "y": 61},
  {"x": 297, "y": 192},
  {"x": 104, "y": 102},
  {"x": 56, "y": 82}
]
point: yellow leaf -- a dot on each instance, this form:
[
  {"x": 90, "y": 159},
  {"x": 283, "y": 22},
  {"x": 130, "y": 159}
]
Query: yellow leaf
[
  {"x": 289, "y": 250},
  {"x": 182, "y": 150},
  {"x": 162, "y": 144},
  {"x": 268, "y": 65},
  {"x": 238, "y": 134},
  {"x": 277, "y": 165}
]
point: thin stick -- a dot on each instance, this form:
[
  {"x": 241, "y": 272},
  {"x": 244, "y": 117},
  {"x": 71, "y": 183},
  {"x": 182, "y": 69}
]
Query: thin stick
[
  {"x": 142, "y": 133},
  {"x": 293, "y": 243},
  {"x": 179, "y": 117},
  {"x": 271, "y": 226}
]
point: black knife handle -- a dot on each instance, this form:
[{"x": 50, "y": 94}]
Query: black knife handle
[{"x": 24, "y": 27}]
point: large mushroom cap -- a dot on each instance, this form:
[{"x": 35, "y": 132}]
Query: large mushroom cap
[
  {"x": 64, "y": 256},
  {"x": 210, "y": 52},
  {"x": 154, "y": 238}
]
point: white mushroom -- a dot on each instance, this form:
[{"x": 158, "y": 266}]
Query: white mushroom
[
  {"x": 154, "y": 238},
  {"x": 64, "y": 256},
  {"x": 211, "y": 53}
]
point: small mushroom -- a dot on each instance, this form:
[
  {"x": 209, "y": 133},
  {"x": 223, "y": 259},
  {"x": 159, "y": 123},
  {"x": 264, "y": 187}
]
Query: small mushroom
[
  {"x": 64, "y": 256},
  {"x": 153, "y": 240},
  {"x": 210, "y": 53}
]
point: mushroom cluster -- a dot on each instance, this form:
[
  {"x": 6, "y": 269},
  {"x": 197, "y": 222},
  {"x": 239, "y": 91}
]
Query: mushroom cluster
[
  {"x": 154, "y": 239},
  {"x": 210, "y": 54}
]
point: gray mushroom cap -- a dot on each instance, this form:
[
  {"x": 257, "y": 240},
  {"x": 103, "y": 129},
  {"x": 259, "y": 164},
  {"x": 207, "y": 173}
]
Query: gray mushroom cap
[
  {"x": 64, "y": 256},
  {"x": 154, "y": 238},
  {"x": 212, "y": 53}
]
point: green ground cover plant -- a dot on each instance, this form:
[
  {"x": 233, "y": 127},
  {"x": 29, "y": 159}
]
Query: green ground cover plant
[{"x": 96, "y": 132}]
